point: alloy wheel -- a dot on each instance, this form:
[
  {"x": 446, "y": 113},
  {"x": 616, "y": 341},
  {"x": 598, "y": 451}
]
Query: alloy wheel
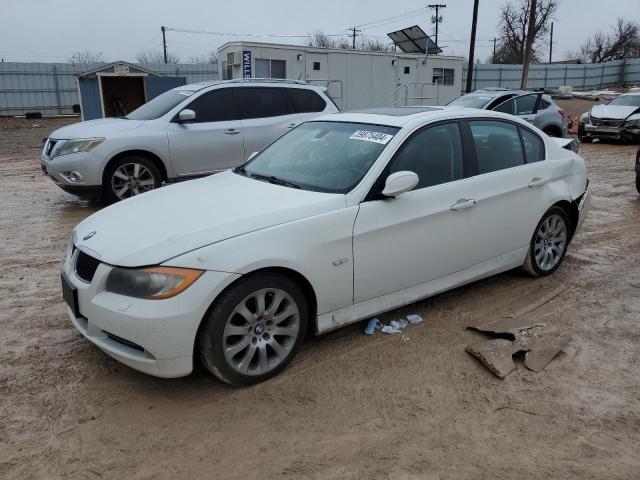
[
  {"x": 261, "y": 331},
  {"x": 550, "y": 242},
  {"x": 131, "y": 179}
]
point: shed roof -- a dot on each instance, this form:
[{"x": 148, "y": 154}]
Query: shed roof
[{"x": 113, "y": 64}]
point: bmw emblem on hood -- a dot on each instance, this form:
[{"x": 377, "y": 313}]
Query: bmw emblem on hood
[{"x": 89, "y": 235}]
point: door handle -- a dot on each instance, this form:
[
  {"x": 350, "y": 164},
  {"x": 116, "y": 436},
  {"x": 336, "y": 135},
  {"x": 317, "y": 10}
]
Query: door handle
[
  {"x": 463, "y": 204},
  {"x": 537, "y": 182},
  {"x": 231, "y": 131},
  {"x": 291, "y": 125}
]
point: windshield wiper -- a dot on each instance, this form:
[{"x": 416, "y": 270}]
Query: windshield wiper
[
  {"x": 272, "y": 179},
  {"x": 241, "y": 170}
]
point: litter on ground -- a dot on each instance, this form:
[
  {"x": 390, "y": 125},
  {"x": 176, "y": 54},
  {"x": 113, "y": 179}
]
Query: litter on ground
[{"x": 395, "y": 326}]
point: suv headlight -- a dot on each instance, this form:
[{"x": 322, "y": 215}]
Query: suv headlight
[
  {"x": 78, "y": 145},
  {"x": 633, "y": 121},
  {"x": 584, "y": 118},
  {"x": 155, "y": 283}
]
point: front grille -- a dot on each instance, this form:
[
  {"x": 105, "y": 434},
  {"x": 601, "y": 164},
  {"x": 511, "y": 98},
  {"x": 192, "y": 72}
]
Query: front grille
[
  {"x": 86, "y": 266},
  {"x": 606, "y": 122}
]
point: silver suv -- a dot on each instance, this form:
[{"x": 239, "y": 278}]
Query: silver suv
[
  {"x": 534, "y": 107},
  {"x": 189, "y": 131}
]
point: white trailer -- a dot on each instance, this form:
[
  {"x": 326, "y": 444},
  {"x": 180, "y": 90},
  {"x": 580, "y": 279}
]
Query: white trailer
[{"x": 356, "y": 79}]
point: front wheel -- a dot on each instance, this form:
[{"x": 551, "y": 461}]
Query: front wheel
[
  {"x": 581, "y": 135},
  {"x": 254, "y": 329},
  {"x": 548, "y": 244},
  {"x": 130, "y": 176},
  {"x": 638, "y": 182}
]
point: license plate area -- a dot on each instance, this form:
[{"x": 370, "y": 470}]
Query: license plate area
[{"x": 70, "y": 294}]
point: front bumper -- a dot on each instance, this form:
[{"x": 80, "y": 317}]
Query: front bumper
[
  {"x": 87, "y": 165},
  {"x": 156, "y": 337},
  {"x": 616, "y": 133}
]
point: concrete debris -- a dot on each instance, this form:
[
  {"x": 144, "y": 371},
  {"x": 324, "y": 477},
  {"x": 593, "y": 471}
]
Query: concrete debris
[{"x": 540, "y": 342}]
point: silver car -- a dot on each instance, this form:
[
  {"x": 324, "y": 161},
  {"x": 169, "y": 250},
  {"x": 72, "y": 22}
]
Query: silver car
[
  {"x": 189, "y": 131},
  {"x": 619, "y": 120},
  {"x": 534, "y": 107}
]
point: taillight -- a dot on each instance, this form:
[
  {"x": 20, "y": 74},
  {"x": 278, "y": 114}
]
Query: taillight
[{"x": 562, "y": 112}]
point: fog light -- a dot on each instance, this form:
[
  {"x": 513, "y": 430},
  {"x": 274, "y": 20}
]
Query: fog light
[{"x": 72, "y": 176}]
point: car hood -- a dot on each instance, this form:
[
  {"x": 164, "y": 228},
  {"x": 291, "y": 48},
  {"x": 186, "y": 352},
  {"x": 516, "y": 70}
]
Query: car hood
[
  {"x": 95, "y": 128},
  {"x": 618, "y": 112},
  {"x": 152, "y": 228}
]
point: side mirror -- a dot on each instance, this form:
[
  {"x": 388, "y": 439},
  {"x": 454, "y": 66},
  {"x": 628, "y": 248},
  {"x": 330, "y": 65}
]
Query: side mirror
[
  {"x": 399, "y": 183},
  {"x": 252, "y": 155},
  {"x": 186, "y": 115}
]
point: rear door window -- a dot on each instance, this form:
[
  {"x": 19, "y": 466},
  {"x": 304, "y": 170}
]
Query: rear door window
[
  {"x": 261, "y": 102},
  {"x": 521, "y": 105},
  {"x": 497, "y": 145},
  {"x": 533, "y": 146},
  {"x": 305, "y": 101},
  {"x": 216, "y": 106}
]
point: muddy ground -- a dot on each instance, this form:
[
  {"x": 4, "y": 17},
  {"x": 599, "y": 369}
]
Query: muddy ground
[{"x": 350, "y": 406}]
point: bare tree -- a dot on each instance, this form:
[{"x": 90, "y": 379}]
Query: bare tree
[
  {"x": 210, "y": 57},
  {"x": 81, "y": 57},
  {"x": 320, "y": 39},
  {"x": 156, "y": 56},
  {"x": 513, "y": 26},
  {"x": 374, "y": 44},
  {"x": 622, "y": 42}
]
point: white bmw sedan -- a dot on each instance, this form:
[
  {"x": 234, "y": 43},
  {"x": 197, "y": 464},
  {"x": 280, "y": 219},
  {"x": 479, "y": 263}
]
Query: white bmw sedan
[{"x": 340, "y": 219}]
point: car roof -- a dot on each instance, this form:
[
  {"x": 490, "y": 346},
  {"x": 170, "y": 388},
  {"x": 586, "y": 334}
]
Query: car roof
[
  {"x": 388, "y": 117},
  {"x": 249, "y": 81},
  {"x": 491, "y": 92}
]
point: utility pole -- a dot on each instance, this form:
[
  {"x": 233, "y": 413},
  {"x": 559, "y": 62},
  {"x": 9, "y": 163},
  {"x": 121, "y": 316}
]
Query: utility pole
[
  {"x": 436, "y": 6},
  {"x": 493, "y": 59},
  {"x": 527, "y": 51},
  {"x": 164, "y": 43},
  {"x": 355, "y": 32},
  {"x": 551, "y": 44},
  {"x": 472, "y": 44}
]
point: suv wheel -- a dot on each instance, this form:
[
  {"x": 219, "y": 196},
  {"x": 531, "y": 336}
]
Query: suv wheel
[
  {"x": 254, "y": 329},
  {"x": 130, "y": 176},
  {"x": 548, "y": 244},
  {"x": 581, "y": 135}
]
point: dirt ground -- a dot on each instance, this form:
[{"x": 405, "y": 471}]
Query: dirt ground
[{"x": 350, "y": 406}]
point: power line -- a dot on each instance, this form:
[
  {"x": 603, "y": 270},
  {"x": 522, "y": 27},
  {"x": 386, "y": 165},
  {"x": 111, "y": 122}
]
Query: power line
[
  {"x": 411, "y": 13},
  {"x": 436, "y": 7}
]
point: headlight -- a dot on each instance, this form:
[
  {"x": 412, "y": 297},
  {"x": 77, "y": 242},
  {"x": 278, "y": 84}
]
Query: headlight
[
  {"x": 78, "y": 145},
  {"x": 633, "y": 121},
  {"x": 585, "y": 117},
  {"x": 155, "y": 283}
]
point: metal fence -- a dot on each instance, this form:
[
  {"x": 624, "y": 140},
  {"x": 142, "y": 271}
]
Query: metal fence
[
  {"x": 594, "y": 75},
  {"x": 51, "y": 88}
]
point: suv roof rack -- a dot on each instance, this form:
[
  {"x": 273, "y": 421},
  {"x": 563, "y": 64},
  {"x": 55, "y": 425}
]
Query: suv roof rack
[{"x": 250, "y": 80}]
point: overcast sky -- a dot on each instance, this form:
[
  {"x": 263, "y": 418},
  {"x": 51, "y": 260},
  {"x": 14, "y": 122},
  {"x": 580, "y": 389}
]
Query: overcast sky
[{"x": 51, "y": 30}]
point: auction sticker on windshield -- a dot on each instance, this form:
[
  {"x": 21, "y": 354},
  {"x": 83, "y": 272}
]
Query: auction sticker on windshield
[{"x": 369, "y": 136}]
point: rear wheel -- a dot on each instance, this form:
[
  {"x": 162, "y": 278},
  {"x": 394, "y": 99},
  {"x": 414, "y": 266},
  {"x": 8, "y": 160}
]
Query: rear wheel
[
  {"x": 548, "y": 244},
  {"x": 130, "y": 176},
  {"x": 553, "y": 132},
  {"x": 638, "y": 183},
  {"x": 254, "y": 329}
]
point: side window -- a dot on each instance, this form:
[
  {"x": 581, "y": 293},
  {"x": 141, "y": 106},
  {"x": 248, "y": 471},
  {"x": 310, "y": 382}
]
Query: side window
[
  {"x": 216, "y": 106},
  {"x": 261, "y": 102},
  {"x": 507, "y": 107},
  {"x": 305, "y": 101},
  {"x": 544, "y": 104},
  {"x": 522, "y": 105},
  {"x": 497, "y": 145},
  {"x": 434, "y": 154},
  {"x": 533, "y": 146}
]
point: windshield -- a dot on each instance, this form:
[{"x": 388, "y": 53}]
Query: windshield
[
  {"x": 471, "y": 101},
  {"x": 321, "y": 156},
  {"x": 160, "y": 105},
  {"x": 626, "y": 101}
]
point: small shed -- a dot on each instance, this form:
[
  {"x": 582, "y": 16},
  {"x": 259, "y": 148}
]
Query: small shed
[{"x": 118, "y": 88}]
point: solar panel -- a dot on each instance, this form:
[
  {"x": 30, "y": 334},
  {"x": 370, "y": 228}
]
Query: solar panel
[{"x": 414, "y": 40}]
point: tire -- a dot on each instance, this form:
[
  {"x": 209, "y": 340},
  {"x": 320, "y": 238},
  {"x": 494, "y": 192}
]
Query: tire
[
  {"x": 121, "y": 181},
  {"x": 638, "y": 182},
  {"x": 238, "y": 342},
  {"x": 547, "y": 249},
  {"x": 581, "y": 135}
]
